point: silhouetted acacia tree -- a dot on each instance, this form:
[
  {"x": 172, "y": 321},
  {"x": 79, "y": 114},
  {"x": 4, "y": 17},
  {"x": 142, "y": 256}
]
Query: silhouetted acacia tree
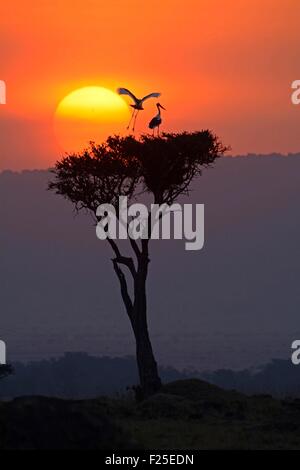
[
  {"x": 124, "y": 166},
  {"x": 5, "y": 370}
]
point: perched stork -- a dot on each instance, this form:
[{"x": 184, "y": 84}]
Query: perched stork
[
  {"x": 156, "y": 121},
  {"x": 138, "y": 103}
]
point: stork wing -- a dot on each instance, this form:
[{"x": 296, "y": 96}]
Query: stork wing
[
  {"x": 124, "y": 91},
  {"x": 151, "y": 95}
]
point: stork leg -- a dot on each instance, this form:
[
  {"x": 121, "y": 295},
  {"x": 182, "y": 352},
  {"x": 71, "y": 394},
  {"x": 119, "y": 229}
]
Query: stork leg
[
  {"x": 134, "y": 121},
  {"x": 132, "y": 116},
  {"x": 157, "y": 131}
]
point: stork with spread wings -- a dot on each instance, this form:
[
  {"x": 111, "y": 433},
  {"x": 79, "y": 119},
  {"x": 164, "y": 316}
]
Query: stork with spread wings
[{"x": 138, "y": 103}]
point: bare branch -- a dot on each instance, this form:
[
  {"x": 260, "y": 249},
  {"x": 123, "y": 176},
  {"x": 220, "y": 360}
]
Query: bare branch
[
  {"x": 120, "y": 259},
  {"x": 124, "y": 289},
  {"x": 135, "y": 247}
]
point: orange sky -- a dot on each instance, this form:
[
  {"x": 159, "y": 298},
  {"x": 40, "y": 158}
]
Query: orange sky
[{"x": 221, "y": 64}]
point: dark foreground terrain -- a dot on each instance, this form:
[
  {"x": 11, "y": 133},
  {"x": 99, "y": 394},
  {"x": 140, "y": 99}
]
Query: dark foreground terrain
[{"x": 187, "y": 414}]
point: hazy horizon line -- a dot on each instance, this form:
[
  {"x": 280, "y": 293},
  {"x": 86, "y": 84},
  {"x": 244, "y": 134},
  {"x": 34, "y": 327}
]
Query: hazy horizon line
[{"x": 237, "y": 156}]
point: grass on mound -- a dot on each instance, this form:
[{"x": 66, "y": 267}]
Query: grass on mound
[{"x": 186, "y": 414}]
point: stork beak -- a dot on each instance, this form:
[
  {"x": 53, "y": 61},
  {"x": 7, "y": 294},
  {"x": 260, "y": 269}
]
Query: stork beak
[{"x": 162, "y": 107}]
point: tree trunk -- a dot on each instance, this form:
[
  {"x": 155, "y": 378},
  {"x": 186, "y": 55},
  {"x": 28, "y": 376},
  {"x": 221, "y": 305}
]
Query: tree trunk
[
  {"x": 147, "y": 366},
  {"x": 137, "y": 313}
]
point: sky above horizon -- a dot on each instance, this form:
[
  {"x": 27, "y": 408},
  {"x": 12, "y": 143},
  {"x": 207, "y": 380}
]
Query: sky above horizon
[{"x": 224, "y": 65}]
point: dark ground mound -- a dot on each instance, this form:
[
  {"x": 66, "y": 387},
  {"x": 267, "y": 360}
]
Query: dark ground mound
[
  {"x": 187, "y": 414},
  {"x": 49, "y": 423}
]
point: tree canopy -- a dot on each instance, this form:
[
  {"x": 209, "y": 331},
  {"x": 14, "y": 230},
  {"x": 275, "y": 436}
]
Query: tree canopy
[{"x": 126, "y": 166}]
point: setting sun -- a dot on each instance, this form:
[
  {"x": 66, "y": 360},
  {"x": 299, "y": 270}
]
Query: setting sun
[{"x": 89, "y": 113}]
